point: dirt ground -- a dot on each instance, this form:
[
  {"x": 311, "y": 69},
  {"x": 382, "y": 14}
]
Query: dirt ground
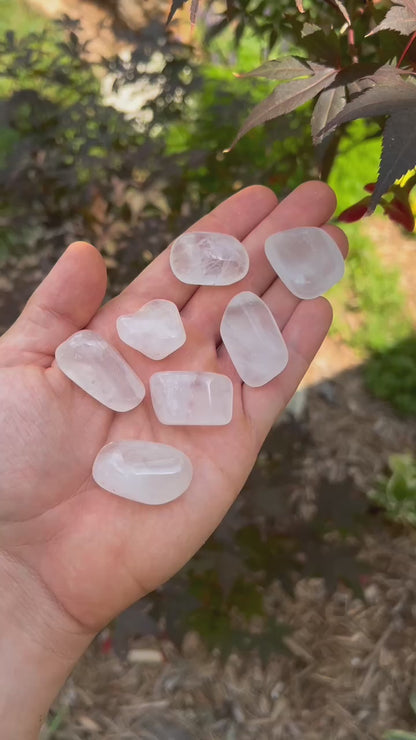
[
  {"x": 351, "y": 668},
  {"x": 350, "y": 671}
]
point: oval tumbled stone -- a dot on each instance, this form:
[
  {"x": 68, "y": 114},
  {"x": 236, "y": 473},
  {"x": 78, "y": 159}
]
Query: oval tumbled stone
[
  {"x": 208, "y": 258},
  {"x": 253, "y": 340},
  {"x": 93, "y": 364},
  {"x": 306, "y": 259},
  {"x": 156, "y": 329},
  {"x": 147, "y": 472},
  {"x": 192, "y": 398}
]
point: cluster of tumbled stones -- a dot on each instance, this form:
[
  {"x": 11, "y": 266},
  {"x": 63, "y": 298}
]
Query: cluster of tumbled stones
[{"x": 306, "y": 260}]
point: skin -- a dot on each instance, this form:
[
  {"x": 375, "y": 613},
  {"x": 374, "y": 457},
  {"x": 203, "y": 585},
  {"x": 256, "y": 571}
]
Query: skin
[{"x": 72, "y": 556}]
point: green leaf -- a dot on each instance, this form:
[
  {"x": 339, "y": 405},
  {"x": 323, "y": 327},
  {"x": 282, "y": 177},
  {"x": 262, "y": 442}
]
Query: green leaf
[
  {"x": 412, "y": 701},
  {"x": 287, "y": 68}
]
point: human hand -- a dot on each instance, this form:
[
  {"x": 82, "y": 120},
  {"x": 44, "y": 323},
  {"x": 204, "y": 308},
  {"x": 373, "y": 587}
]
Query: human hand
[{"x": 79, "y": 552}]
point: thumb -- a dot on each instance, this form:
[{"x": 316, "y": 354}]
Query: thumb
[{"x": 64, "y": 302}]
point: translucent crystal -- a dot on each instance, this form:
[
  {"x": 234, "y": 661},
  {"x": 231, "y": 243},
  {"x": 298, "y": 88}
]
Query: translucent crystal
[
  {"x": 147, "y": 472},
  {"x": 253, "y": 340},
  {"x": 306, "y": 259},
  {"x": 205, "y": 258},
  {"x": 156, "y": 329},
  {"x": 93, "y": 364},
  {"x": 192, "y": 398}
]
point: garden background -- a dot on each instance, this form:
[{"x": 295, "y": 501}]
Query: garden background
[{"x": 297, "y": 618}]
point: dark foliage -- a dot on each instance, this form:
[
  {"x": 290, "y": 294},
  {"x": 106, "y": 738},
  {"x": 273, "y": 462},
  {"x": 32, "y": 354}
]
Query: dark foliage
[
  {"x": 75, "y": 168},
  {"x": 353, "y": 58},
  {"x": 85, "y": 171},
  {"x": 392, "y": 375}
]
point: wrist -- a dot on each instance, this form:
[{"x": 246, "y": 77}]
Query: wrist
[{"x": 39, "y": 646}]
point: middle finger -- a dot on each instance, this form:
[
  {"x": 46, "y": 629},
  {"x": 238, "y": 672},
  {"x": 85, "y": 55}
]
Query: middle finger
[{"x": 311, "y": 204}]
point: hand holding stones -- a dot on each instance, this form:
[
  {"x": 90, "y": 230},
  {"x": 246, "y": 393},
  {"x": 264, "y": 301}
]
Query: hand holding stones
[
  {"x": 307, "y": 261},
  {"x": 92, "y": 551}
]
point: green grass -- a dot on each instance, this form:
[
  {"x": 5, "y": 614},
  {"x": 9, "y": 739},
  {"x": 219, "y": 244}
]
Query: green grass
[
  {"x": 370, "y": 306},
  {"x": 370, "y": 315},
  {"x": 18, "y": 16},
  {"x": 356, "y": 164},
  {"x": 373, "y": 293}
]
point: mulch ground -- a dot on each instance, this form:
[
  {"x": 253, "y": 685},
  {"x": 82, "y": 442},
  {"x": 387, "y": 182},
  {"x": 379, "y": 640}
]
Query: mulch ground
[{"x": 351, "y": 664}]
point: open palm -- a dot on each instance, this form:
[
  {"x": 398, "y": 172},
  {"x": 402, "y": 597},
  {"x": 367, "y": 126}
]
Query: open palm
[{"x": 93, "y": 551}]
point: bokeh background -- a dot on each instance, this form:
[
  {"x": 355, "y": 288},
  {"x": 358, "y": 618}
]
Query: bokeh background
[{"x": 297, "y": 619}]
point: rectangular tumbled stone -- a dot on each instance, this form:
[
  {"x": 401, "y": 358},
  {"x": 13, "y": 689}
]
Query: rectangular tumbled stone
[
  {"x": 192, "y": 398},
  {"x": 253, "y": 340},
  {"x": 96, "y": 367}
]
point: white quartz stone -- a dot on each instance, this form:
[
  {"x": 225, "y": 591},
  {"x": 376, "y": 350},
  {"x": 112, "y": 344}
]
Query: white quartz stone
[
  {"x": 253, "y": 340},
  {"x": 306, "y": 259},
  {"x": 156, "y": 329},
  {"x": 147, "y": 472},
  {"x": 205, "y": 258},
  {"x": 192, "y": 398},
  {"x": 93, "y": 364}
]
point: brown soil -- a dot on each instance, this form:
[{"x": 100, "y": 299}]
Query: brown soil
[
  {"x": 351, "y": 666},
  {"x": 350, "y": 672}
]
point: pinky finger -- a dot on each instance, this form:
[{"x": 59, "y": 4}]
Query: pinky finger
[{"x": 303, "y": 334}]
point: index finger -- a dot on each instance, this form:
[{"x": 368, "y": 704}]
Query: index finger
[{"x": 237, "y": 216}]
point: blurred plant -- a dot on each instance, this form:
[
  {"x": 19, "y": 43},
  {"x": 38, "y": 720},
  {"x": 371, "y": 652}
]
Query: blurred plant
[
  {"x": 73, "y": 167},
  {"x": 396, "y": 493},
  {"x": 398, "y": 207},
  {"x": 78, "y": 168},
  {"x": 403, "y": 734},
  {"x": 391, "y": 375},
  {"x": 354, "y": 63}
]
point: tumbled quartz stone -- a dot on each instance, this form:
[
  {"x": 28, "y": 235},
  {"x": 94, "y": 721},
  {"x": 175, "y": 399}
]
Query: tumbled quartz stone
[
  {"x": 93, "y": 364},
  {"x": 205, "y": 258},
  {"x": 253, "y": 340},
  {"x": 192, "y": 398},
  {"x": 156, "y": 329},
  {"x": 306, "y": 259},
  {"x": 147, "y": 472}
]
